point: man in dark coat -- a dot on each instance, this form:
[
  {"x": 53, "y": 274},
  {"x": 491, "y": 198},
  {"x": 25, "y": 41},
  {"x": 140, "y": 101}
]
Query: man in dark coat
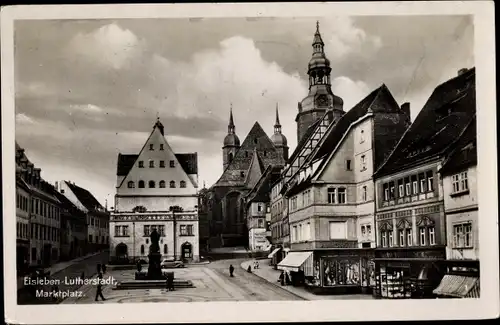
[
  {"x": 231, "y": 270},
  {"x": 99, "y": 288}
]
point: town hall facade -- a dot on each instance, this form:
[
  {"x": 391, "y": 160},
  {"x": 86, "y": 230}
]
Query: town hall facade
[{"x": 156, "y": 189}]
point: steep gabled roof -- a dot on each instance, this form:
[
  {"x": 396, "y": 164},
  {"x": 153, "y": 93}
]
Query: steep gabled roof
[
  {"x": 85, "y": 197},
  {"x": 463, "y": 152},
  {"x": 69, "y": 206},
  {"x": 448, "y": 110},
  {"x": 256, "y": 138},
  {"x": 188, "y": 161},
  {"x": 255, "y": 170},
  {"x": 260, "y": 192}
]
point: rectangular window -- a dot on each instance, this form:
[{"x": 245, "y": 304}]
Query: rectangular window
[
  {"x": 348, "y": 164},
  {"x": 259, "y": 207},
  {"x": 341, "y": 196},
  {"x": 151, "y": 146},
  {"x": 90, "y": 239},
  {"x": 430, "y": 182},
  {"x": 364, "y": 193},
  {"x": 338, "y": 230},
  {"x": 464, "y": 184},
  {"x": 392, "y": 193},
  {"x": 422, "y": 180},
  {"x": 386, "y": 192},
  {"x": 161, "y": 146},
  {"x": 147, "y": 230},
  {"x": 183, "y": 230},
  {"x": 415, "y": 185},
  {"x": 151, "y": 164},
  {"x": 462, "y": 235},
  {"x": 172, "y": 163},
  {"x": 391, "y": 239},
  {"x": 363, "y": 162},
  {"x": 162, "y": 163},
  {"x": 141, "y": 164},
  {"x": 161, "y": 230},
  {"x": 409, "y": 237},
  {"x": 401, "y": 190},
  {"x": 432, "y": 236},
  {"x": 308, "y": 231},
  {"x": 384, "y": 239},
  {"x": 331, "y": 195},
  {"x": 402, "y": 237},
  {"x": 294, "y": 233},
  {"x": 422, "y": 236},
  {"x": 369, "y": 229},
  {"x": 125, "y": 231}
]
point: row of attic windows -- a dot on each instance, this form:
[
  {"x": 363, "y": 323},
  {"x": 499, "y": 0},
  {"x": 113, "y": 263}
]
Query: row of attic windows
[
  {"x": 152, "y": 164},
  {"x": 152, "y": 184},
  {"x": 152, "y": 147}
]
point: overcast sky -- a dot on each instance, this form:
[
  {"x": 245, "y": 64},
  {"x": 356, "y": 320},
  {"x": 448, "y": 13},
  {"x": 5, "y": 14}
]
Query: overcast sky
[{"x": 88, "y": 89}]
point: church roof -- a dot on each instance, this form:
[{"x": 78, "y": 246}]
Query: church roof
[
  {"x": 236, "y": 172},
  {"x": 260, "y": 192},
  {"x": 255, "y": 170},
  {"x": 188, "y": 161},
  {"x": 464, "y": 152},
  {"x": 444, "y": 116}
]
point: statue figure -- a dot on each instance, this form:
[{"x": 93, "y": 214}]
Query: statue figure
[{"x": 155, "y": 239}]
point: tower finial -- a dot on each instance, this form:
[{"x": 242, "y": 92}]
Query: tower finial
[
  {"x": 317, "y": 26},
  {"x": 230, "y": 127},
  {"x": 277, "y": 116}
]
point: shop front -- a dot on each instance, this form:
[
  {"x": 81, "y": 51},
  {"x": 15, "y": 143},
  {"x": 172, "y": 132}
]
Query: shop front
[
  {"x": 461, "y": 280},
  {"x": 404, "y": 273},
  {"x": 332, "y": 271}
]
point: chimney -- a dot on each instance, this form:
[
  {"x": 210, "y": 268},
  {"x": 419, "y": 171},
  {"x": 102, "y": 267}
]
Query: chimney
[{"x": 462, "y": 71}]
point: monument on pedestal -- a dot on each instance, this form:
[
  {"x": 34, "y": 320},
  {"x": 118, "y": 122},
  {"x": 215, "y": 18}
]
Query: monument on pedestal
[{"x": 154, "y": 269}]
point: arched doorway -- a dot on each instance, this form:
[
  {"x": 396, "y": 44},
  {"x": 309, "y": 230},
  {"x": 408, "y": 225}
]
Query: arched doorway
[
  {"x": 186, "y": 251},
  {"x": 121, "y": 251}
]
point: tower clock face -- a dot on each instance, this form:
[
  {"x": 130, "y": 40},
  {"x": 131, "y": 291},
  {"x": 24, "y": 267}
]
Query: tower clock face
[{"x": 322, "y": 100}]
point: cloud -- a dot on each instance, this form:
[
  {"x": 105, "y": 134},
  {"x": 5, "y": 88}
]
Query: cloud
[
  {"x": 352, "y": 92},
  {"x": 23, "y": 119},
  {"x": 110, "y": 46},
  {"x": 342, "y": 38}
]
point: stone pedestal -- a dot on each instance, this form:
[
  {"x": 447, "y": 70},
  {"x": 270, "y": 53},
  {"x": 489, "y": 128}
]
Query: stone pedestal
[{"x": 154, "y": 269}]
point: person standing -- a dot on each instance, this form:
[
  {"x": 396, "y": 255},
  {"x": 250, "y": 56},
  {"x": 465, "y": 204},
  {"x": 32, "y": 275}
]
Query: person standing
[
  {"x": 99, "y": 288},
  {"x": 231, "y": 270}
]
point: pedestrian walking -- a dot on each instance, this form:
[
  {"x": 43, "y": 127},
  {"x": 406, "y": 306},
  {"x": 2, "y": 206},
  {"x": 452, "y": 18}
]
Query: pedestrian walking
[
  {"x": 282, "y": 278},
  {"x": 99, "y": 288},
  {"x": 256, "y": 264},
  {"x": 103, "y": 268},
  {"x": 231, "y": 270},
  {"x": 249, "y": 269}
]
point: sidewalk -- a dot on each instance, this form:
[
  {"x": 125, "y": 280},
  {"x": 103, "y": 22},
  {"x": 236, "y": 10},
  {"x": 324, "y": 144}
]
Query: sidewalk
[
  {"x": 266, "y": 272},
  {"x": 58, "y": 267}
]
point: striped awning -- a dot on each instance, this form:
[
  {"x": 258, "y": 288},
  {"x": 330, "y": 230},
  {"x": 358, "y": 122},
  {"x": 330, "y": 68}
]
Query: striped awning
[
  {"x": 273, "y": 252},
  {"x": 296, "y": 261},
  {"x": 458, "y": 286}
]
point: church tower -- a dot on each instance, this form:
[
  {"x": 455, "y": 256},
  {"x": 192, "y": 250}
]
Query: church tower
[
  {"x": 231, "y": 142},
  {"x": 320, "y": 97},
  {"x": 278, "y": 139}
]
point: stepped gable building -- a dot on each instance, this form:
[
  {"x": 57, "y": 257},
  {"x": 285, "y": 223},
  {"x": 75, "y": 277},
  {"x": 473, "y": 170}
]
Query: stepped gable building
[
  {"x": 243, "y": 164},
  {"x": 459, "y": 174},
  {"x": 156, "y": 189},
  {"x": 410, "y": 212},
  {"x": 37, "y": 214},
  {"x": 97, "y": 216},
  {"x": 329, "y": 188},
  {"x": 320, "y": 97}
]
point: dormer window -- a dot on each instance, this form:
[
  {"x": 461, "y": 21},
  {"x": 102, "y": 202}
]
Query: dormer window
[
  {"x": 161, "y": 147},
  {"x": 151, "y": 146},
  {"x": 141, "y": 164}
]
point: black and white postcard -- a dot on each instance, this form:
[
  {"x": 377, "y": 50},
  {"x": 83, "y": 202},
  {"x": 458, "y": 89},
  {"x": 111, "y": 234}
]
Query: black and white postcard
[{"x": 249, "y": 162}]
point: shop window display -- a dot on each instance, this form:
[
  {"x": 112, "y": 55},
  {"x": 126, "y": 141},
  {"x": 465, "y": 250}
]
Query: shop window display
[
  {"x": 341, "y": 272},
  {"x": 394, "y": 282}
]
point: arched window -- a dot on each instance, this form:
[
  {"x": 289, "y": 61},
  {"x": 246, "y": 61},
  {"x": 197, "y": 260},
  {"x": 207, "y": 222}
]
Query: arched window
[
  {"x": 165, "y": 249},
  {"x": 183, "y": 184},
  {"x": 172, "y": 184},
  {"x": 230, "y": 156},
  {"x": 141, "y": 184},
  {"x": 162, "y": 184},
  {"x": 152, "y": 184},
  {"x": 142, "y": 249},
  {"x": 131, "y": 184}
]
